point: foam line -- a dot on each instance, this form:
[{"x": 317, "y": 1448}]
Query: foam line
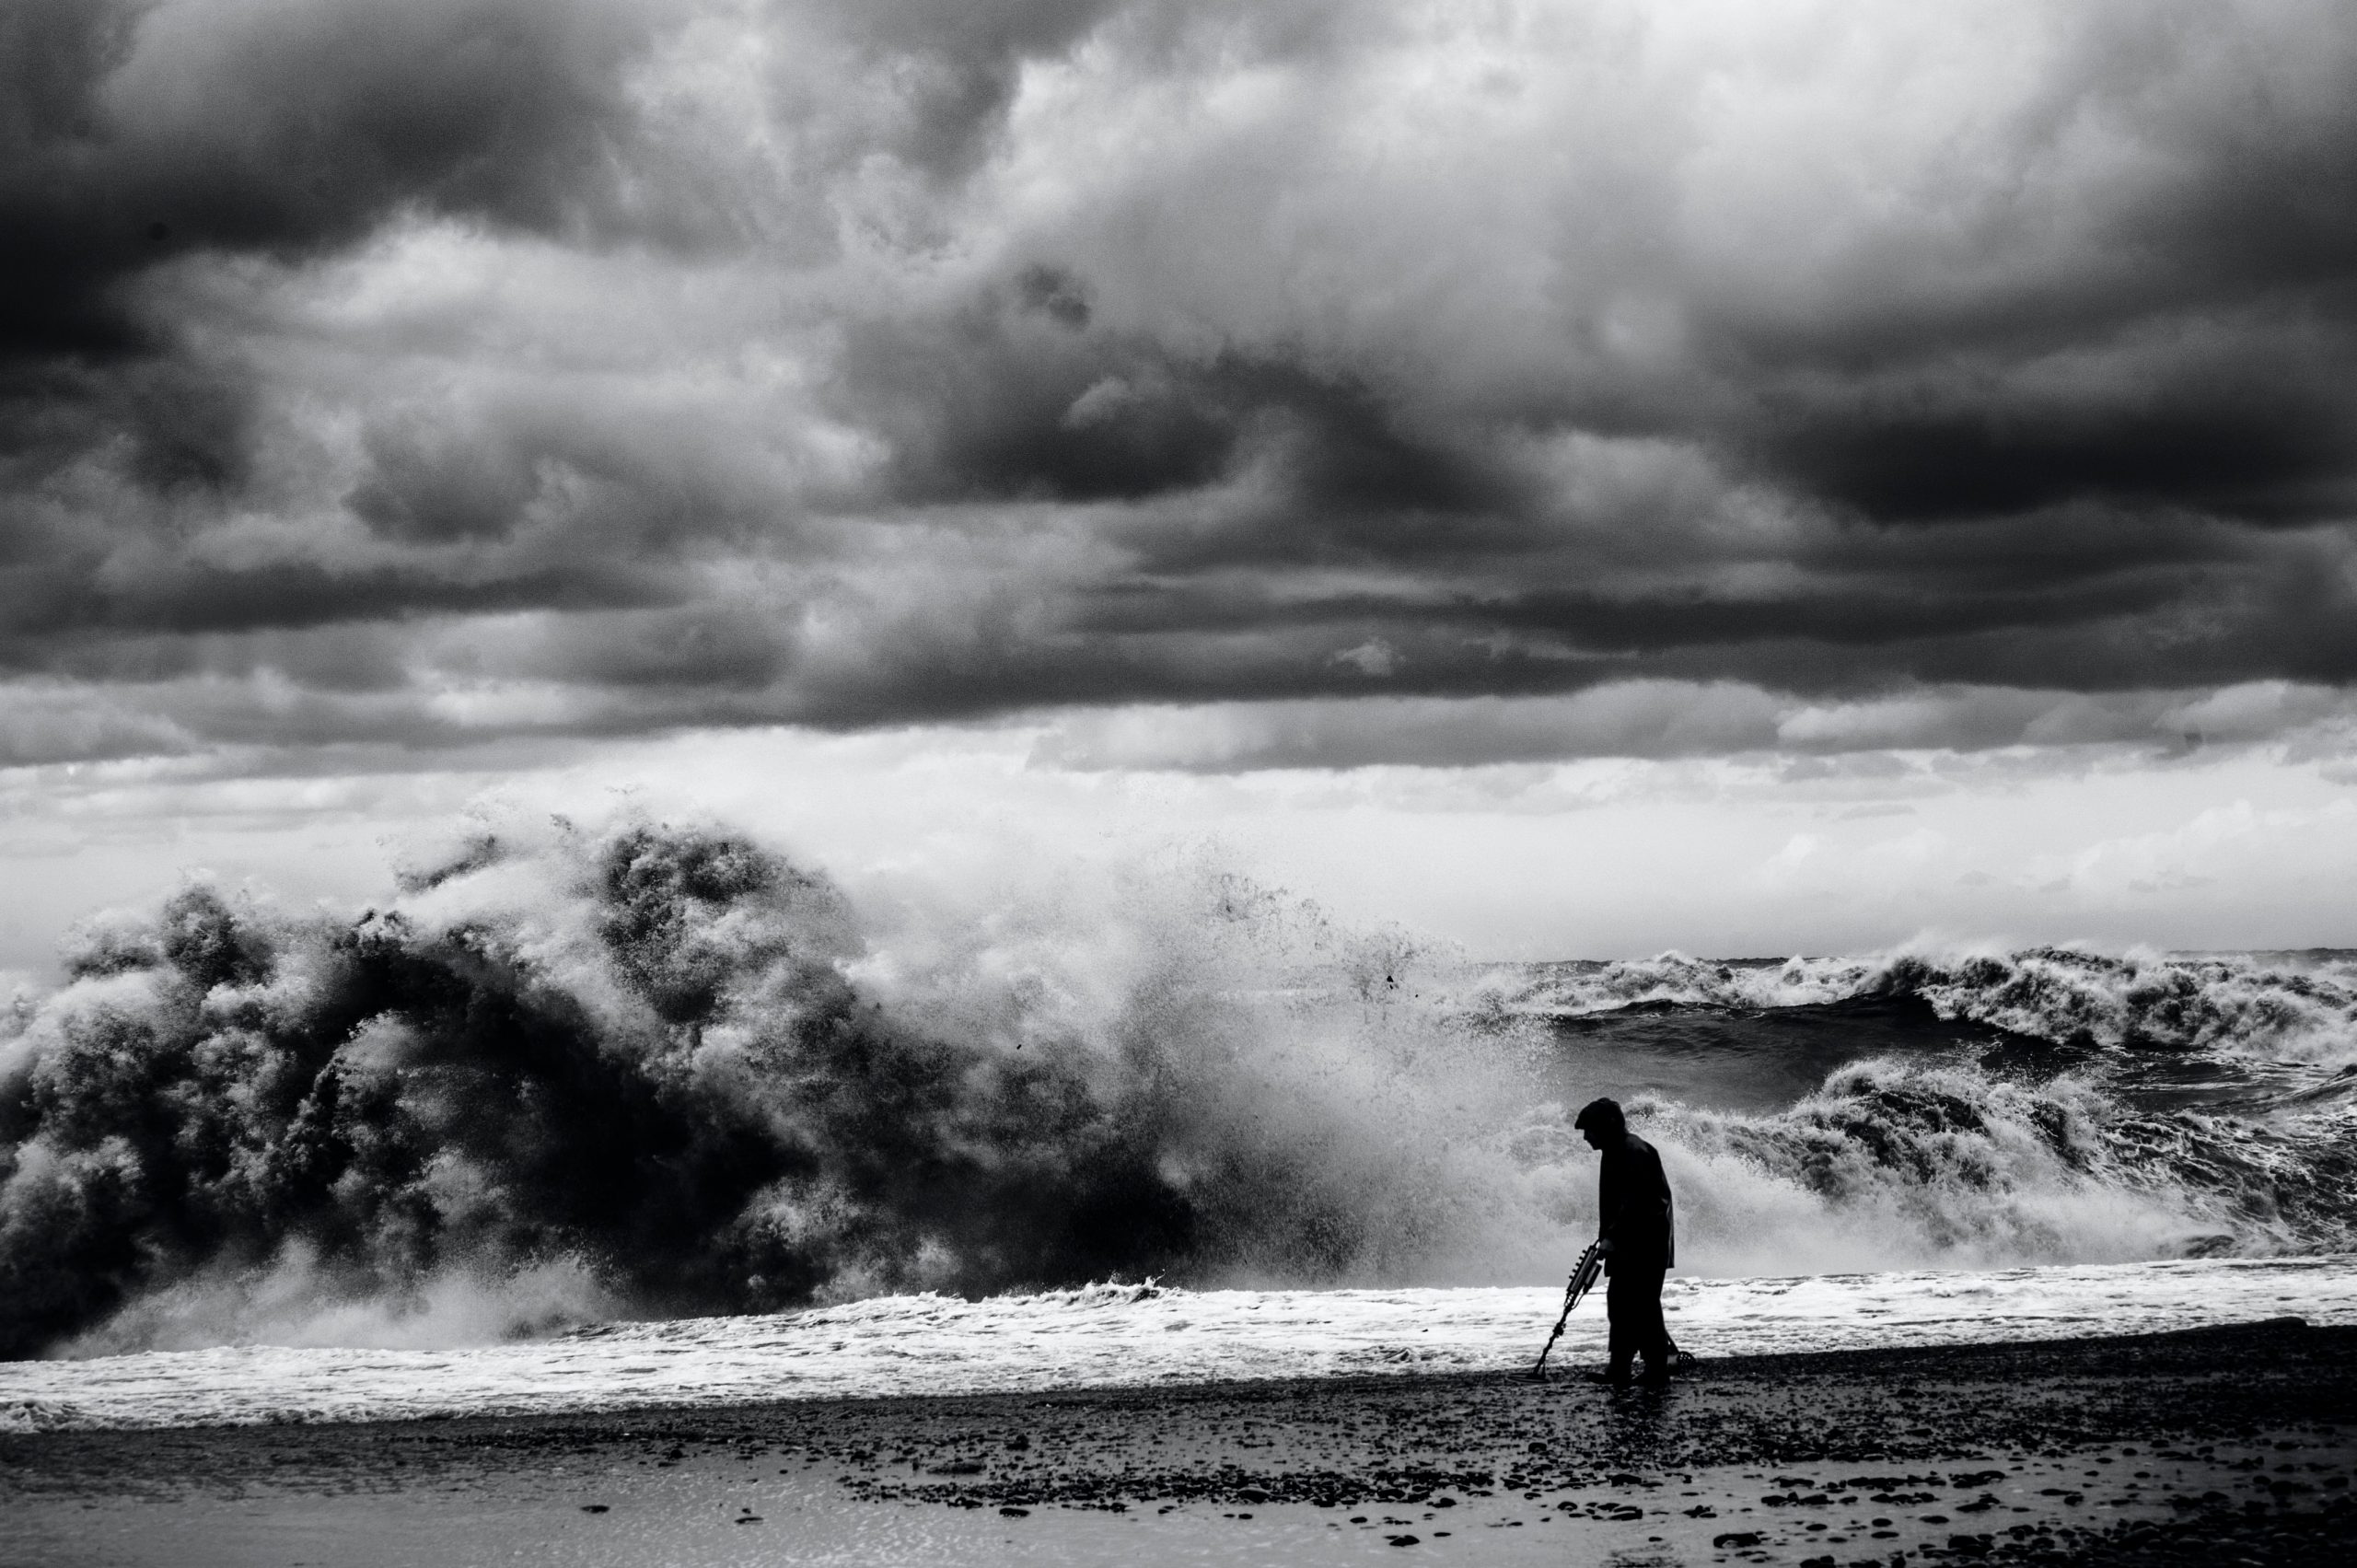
[{"x": 1133, "y": 1335}]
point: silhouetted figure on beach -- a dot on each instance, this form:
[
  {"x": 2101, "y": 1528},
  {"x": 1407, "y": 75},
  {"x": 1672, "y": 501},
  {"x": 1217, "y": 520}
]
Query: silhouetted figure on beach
[{"x": 1639, "y": 1244}]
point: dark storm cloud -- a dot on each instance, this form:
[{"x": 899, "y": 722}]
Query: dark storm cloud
[
  {"x": 1013, "y": 399},
  {"x": 300, "y": 594},
  {"x": 616, "y": 365},
  {"x": 142, "y": 130},
  {"x": 142, "y": 136},
  {"x": 2253, "y": 424},
  {"x": 977, "y": 410}
]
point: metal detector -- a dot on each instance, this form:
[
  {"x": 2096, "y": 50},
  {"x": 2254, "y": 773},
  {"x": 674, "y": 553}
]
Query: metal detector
[{"x": 1584, "y": 1278}]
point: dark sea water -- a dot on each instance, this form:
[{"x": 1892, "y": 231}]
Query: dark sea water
[
  {"x": 2085, "y": 1104},
  {"x": 1762, "y": 1060}
]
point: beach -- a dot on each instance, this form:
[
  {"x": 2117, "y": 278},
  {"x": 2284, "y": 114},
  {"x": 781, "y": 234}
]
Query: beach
[
  {"x": 2212, "y": 1444},
  {"x": 971, "y": 782}
]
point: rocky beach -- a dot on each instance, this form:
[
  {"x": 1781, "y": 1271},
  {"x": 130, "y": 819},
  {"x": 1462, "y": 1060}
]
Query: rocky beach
[{"x": 2213, "y": 1445}]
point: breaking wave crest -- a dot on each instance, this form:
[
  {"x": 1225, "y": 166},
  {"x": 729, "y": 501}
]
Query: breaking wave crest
[
  {"x": 2274, "y": 1009},
  {"x": 571, "y": 1078}
]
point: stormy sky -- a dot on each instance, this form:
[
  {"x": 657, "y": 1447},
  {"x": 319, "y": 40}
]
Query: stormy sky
[{"x": 1203, "y": 392}]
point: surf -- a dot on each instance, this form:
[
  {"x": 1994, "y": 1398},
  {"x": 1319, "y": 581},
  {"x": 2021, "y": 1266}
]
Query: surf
[{"x": 569, "y": 1076}]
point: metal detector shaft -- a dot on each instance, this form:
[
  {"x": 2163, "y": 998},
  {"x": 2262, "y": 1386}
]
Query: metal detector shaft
[{"x": 1584, "y": 1278}]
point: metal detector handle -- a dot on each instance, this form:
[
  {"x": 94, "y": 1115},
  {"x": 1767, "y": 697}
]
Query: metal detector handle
[
  {"x": 1583, "y": 1277},
  {"x": 1591, "y": 1269}
]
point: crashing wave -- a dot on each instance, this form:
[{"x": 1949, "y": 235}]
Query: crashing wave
[
  {"x": 641, "y": 1063},
  {"x": 1672, "y": 979},
  {"x": 1950, "y": 1165},
  {"x": 2063, "y": 995},
  {"x": 659, "y": 1073}
]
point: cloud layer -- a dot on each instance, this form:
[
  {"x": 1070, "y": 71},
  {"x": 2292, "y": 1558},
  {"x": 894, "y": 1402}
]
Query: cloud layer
[{"x": 1411, "y": 382}]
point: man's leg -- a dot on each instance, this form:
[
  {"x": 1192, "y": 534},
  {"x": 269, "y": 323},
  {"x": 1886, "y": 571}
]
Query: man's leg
[
  {"x": 1623, "y": 1307},
  {"x": 1651, "y": 1333}
]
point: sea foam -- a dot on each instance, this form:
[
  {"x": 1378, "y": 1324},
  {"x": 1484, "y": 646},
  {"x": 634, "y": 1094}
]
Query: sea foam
[{"x": 1144, "y": 1335}]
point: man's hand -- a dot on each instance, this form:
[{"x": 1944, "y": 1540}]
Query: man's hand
[{"x": 1604, "y": 1248}]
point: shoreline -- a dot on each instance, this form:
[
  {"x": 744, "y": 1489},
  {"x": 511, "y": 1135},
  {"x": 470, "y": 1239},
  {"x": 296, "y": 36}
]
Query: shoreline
[
  {"x": 2208, "y": 1443},
  {"x": 1144, "y": 1335}
]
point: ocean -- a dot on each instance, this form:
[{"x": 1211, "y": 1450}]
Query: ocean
[{"x": 656, "y": 1117}]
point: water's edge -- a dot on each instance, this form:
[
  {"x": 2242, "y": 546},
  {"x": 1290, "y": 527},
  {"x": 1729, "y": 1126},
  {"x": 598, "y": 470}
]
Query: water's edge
[{"x": 1123, "y": 1336}]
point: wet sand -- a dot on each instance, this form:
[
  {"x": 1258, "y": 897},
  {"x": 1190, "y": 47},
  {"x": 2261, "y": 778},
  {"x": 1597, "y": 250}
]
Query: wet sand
[{"x": 2215, "y": 1445}]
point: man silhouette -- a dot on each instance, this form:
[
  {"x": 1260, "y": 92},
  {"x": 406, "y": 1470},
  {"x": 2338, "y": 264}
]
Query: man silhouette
[{"x": 1640, "y": 1246}]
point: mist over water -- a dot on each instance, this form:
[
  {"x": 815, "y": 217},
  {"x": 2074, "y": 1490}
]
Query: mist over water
[{"x": 648, "y": 1072}]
